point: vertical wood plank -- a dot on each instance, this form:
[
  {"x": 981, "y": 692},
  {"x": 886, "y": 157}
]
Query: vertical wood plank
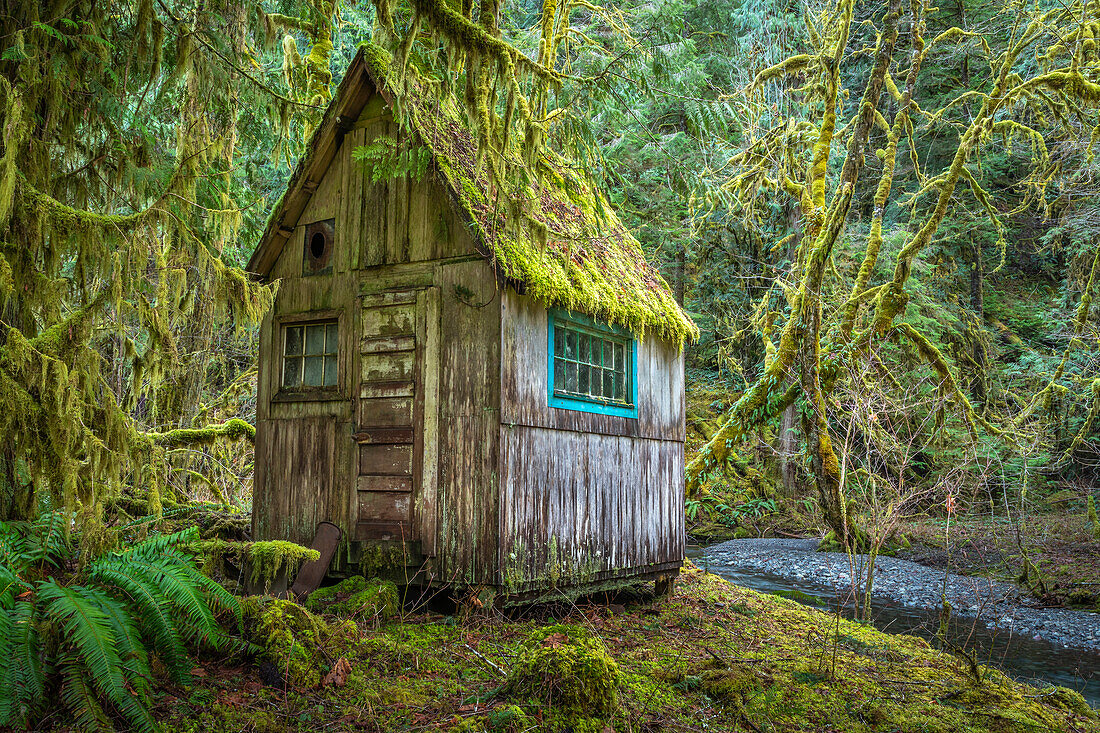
[
  {"x": 469, "y": 476},
  {"x": 373, "y": 224},
  {"x": 349, "y": 234},
  {"x": 397, "y": 213},
  {"x": 423, "y": 216},
  {"x": 427, "y": 506}
]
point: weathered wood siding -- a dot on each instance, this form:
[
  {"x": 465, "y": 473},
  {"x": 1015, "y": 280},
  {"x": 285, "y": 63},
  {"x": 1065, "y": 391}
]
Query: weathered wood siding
[
  {"x": 586, "y": 497},
  {"x": 305, "y": 454},
  {"x": 524, "y": 381},
  {"x": 469, "y": 399},
  {"x": 581, "y": 507},
  {"x": 365, "y": 456}
]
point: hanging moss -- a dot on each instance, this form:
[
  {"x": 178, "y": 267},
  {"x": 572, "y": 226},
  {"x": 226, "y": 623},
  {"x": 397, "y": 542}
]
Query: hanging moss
[
  {"x": 114, "y": 261},
  {"x": 271, "y": 557},
  {"x": 267, "y": 558}
]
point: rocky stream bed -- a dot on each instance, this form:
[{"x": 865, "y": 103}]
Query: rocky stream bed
[{"x": 998, "y": 605}]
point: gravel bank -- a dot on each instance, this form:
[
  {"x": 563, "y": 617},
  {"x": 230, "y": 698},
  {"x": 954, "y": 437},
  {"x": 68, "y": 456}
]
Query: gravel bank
[{"x": 998, "y": 605}]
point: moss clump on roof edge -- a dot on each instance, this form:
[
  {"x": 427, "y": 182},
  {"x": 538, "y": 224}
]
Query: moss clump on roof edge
[
  {"x": 566, "y": 245},
  {"x": 377, "y": 59}
]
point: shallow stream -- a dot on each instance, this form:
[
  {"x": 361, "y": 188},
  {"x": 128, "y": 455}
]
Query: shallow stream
[{"x": 1022, "y": 657}]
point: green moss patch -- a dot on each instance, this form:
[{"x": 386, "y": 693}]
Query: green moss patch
[
  {"x": 566, "y": 668},
  {"x": 711, "y": 657},
  {"x": 357, "y": 598},
  {"x": 298, "y": 643}
]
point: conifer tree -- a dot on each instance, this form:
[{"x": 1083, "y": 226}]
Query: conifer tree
[{"x": 120, "y": 138}]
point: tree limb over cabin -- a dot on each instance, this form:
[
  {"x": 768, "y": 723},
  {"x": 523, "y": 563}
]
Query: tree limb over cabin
[{"x": 481, "y": 383}]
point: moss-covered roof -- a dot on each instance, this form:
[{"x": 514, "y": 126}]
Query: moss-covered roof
[{"x": 556, "y": 234}]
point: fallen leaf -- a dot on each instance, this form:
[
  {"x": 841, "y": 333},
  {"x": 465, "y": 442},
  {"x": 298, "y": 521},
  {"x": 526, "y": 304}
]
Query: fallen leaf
[
  {"x": 555, "y": 640},
  {"x": 198, "y": 672},
  {"x": 339, "y": 674}
]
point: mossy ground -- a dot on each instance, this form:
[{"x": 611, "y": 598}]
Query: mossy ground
[
  {"x": 357, "y": 598},
  {"x": 711, "y": 657}
]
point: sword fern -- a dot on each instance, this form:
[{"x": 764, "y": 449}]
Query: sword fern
[{"x": 78, "y": 631}]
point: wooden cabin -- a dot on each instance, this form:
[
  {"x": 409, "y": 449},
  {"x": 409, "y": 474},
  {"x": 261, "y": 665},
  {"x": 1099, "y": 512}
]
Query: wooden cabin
[{"x": 481, "y": 385}]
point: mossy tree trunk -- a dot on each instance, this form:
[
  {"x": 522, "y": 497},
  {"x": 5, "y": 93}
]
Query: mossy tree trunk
[{"x": 1066, "y": 41}]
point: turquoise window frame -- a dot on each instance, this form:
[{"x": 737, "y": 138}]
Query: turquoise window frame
[{"x": 577, "y": 321}]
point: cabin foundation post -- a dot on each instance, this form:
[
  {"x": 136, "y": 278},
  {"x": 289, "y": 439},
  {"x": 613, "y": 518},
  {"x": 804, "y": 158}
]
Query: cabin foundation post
[{"x": 665, "y": 584}]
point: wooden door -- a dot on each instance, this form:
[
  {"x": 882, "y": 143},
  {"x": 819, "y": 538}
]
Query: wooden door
[
  {"x": 397, "y": 416},
  {"x": 295, "y": 467}
]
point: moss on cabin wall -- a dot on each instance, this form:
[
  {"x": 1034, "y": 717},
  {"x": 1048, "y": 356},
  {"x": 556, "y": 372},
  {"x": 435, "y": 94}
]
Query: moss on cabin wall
[
  {"x": 383, "y": 560},
  {"x": 559, "y": 575}
]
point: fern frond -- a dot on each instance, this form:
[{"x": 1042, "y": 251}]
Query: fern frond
[
  {"x": 158, "y": 545},
  {"x": 175, "y": 585},
  {"x": 79, "y": 697},
  {"x": 50, "y": 537},
  {"x": 156, "y": 619},
  {"x": 11, "y": 585},
  {"x": 13, "y": 551},
  {"x": 220, "y": 599},
  {"x": 88, "y": 629},
  {"x": 93, "y": 639},
  {"x": 138, "y": 714},
  {"x": 131, "y": 650},
  {"x": 22, "y": 671}
]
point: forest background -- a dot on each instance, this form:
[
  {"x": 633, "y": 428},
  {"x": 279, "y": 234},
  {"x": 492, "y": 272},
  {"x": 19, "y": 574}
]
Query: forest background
[
  {"x": 883, "y": 217},
  {"x": 144, "y": 144}
]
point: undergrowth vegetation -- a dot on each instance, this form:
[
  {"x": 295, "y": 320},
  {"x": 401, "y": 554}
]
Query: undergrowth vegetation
[
  {"x": 710, "y": 657},
  {"x": 84, "y": 623}
]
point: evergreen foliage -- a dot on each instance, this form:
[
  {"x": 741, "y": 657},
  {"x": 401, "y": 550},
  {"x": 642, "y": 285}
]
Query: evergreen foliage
[
  {"x": 80, "y": 623},
  {"x": 139, "y": 141}
]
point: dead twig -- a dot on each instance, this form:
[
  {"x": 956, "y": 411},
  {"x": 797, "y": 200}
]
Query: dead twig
[{"x": 488, "y": 661}]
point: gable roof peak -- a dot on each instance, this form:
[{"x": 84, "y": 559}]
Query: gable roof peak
[{"x": 554, "y": 232}]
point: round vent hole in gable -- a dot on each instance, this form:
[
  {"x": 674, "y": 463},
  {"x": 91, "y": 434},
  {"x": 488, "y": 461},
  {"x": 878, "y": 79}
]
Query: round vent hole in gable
[{"x": 317, "y": 257}]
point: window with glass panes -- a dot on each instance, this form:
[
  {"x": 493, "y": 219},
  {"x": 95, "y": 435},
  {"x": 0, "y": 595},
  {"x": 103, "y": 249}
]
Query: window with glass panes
[
  {"x": 310, "y": 355},
  {"x": 591, "y": 366}
]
